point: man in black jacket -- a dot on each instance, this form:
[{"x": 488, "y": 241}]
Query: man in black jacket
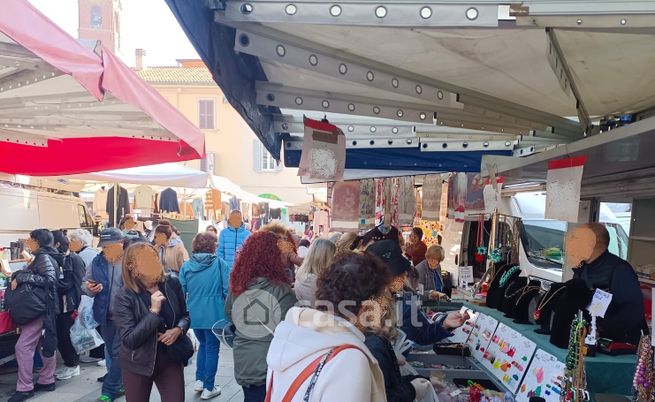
[
  {"x": 69, "y": 290},
  {"x": 624, "y": 318}
]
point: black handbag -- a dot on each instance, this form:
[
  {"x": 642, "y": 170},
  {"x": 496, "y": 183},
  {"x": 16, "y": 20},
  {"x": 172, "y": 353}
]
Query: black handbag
[
  {"x": 181, "y": 350},
  {"x": 26, "y": 303}
]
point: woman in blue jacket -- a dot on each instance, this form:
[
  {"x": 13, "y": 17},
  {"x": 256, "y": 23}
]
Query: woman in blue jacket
[
  {"x": 205, "y": 281},
  {"x": 231, "y": 238}
]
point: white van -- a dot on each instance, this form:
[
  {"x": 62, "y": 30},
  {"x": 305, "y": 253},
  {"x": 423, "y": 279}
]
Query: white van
[
  {"x": 25, "y": 208},
  {"x": 536, "y": 234}
]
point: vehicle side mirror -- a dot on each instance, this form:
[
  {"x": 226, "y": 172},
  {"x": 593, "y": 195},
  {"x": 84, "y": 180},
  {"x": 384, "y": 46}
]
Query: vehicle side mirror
[{"x": 457, "y": 260}]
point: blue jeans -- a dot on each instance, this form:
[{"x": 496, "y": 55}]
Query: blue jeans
[
  {"x": 113, "y": 382},
  {"x": 207, "y": 358},
  {"x": 254, "y": 393}
]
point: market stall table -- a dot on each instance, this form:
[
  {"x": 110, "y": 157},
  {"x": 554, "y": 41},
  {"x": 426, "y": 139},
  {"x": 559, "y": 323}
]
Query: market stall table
[{"x": 605, "y": 374}]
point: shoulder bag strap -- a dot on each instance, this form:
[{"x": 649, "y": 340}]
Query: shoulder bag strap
[{"x": 306, "y": 373}]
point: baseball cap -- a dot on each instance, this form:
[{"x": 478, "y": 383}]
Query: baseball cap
[
  {"x": 390, "y": 253},
  {"x": 110, "y": 236}
]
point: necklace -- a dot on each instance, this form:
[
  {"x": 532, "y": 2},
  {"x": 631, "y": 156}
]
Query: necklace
[
  {"x": 526, "y": 291},
  {"x": 519, "y": 290},
  {"x": 542, "y": 303},
  {"x": 505, "y": 277}
]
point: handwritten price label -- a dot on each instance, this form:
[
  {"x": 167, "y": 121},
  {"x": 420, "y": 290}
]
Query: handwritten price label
[{"x": 600, "y": 303}]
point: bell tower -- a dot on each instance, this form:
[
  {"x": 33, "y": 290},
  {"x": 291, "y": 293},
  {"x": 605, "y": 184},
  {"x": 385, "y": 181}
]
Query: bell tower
[{"x": 100, "y": 20}]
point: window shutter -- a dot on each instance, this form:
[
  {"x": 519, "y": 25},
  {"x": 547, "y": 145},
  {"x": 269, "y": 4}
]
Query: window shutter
[{"x": 256, "y": 155}]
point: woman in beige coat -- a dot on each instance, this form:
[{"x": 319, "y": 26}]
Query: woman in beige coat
[
  {"x": 320, "y": 256},
  {"x": 170, "y": 247}
]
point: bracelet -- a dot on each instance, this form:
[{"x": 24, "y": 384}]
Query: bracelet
[{"x": 153, "y": 312}]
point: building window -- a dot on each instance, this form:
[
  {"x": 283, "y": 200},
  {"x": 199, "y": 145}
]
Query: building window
[
  {"x": 96, "y": 17},
  {"x": 206, "y": 114},
  {"x": 263, "y": 160}
]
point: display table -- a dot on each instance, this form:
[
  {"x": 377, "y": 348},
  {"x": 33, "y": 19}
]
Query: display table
[{"x": 605, "y": 374}]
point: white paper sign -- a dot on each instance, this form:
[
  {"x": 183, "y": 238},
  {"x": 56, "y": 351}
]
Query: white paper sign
[
  {"x": 599, "y": 304},
  {"x": 465, "y": 276},
  {"x": 542, "y": 378},
  {"x": 563, "y": 188}
]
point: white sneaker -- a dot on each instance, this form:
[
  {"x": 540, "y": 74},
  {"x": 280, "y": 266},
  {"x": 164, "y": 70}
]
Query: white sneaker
[
  {"x": 199, "y": 386},
  {"x": 68, "y": 372},
  {"x": 209, "y": 394},
  {"x": 60, "y": 370},
  {"x": 102, "y": 363}
]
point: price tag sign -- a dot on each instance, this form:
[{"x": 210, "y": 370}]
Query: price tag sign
[
  {"x": 465, "y": 276},
  {"x": 599, "y": 304}
]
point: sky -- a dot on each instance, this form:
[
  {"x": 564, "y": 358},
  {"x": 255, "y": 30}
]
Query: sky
[{"x": 147, "y": 24}]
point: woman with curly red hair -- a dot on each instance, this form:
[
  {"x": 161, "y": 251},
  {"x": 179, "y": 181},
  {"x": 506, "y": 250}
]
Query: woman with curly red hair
[{"x": 259, "y": 298}]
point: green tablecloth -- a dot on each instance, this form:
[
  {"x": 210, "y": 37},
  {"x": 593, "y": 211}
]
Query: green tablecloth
[{"x": 605, "y": 374}]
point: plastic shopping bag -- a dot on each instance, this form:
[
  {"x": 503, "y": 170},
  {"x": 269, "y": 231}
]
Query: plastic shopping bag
[
  {"x": 84, "y": 338},
  {"x": 85, "y": 313}
]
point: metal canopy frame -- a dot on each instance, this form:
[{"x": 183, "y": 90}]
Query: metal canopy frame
[{"x": 416, "y": 103}]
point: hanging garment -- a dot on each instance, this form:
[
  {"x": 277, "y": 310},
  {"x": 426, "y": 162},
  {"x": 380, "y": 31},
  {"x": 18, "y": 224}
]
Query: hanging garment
[
  {"x": 406, "y": 201},
  {"x": 168, "y": 201},
  {"x": 245, "y": 212},
  {"x": 345, "y": 206},
  {"x": 235, "y": 203},
  {"x": 198, "y": 211},
  {"x": 143, "y": 197},
  {"x": 100, "y": 201},
  {"x": 122, "y": 206},
  {"x": 432, "y": 185},
  {"x": 367, "y": 203},
  {"x": 321, "y": 222},
  {"x": 275, "y": 213},
  {"x": 392, "y": 201}
]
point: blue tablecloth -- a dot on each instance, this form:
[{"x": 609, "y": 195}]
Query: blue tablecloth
[{"x": 605, "y": 374}]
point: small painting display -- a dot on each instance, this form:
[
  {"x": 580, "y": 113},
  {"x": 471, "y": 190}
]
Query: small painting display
[
  {"x": 508, "y": 356},
  {"x": 543, "y": 378},
  {"x": 481, "y": 334}
]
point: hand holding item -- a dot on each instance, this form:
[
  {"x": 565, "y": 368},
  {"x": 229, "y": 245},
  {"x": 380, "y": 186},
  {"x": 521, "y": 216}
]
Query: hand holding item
[
  {"x": 156, "y": 299},
  {"x": 438, "y": 295},
  {"x": 455, "y": 320},
  {"x": 421, "y": 386},
  {"x": 169, "y": 337},
  {"x": 14, "y": 284},
  {"x": 93, "y": 287}
]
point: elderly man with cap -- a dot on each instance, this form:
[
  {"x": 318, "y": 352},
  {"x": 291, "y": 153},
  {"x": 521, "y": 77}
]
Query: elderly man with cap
[
  {"x": 102, "y": 282},
  {"x": 415, "y": 324}
]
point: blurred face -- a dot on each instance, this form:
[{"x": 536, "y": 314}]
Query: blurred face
[
  {"x": 32, "y": 245},
  {"x": 579, "y": 245},
  {"x": 130, "y": 224},
  {"x": 146, "y": 267},
  {"x": 235, "y": 220},
  {"x": 413, "y": 238},
  {"x": 113, "y": 252},
  {"x": 433, "y": 263},
  {"x": 373, "y": 312},
  {"x": 75, "y": 245},
  {"x": 161, "y": 239}
]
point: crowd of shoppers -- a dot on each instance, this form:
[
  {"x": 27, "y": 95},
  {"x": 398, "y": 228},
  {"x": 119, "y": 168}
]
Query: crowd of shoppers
[{"x": 332, "y": 307}]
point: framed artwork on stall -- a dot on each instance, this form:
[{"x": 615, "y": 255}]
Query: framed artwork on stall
[
  {"x": 508, "y": 356},
  {"x": 481, "y": 334},
  {"x": 543, "y": 378}
]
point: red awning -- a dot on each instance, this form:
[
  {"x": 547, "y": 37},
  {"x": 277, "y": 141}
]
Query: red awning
[{"x": 65, "y": 110}]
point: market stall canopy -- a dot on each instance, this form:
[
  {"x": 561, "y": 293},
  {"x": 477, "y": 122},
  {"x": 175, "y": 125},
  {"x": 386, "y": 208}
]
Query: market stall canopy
[
  {"x": 520, "y": 76},
  {"x": 170, "y": 175},
  {"x": 66, "y": 110}
]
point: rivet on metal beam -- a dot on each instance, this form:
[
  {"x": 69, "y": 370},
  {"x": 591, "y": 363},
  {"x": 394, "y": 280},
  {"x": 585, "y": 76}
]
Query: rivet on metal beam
[
  {"x": 623, "y": 21},
  {"x": 246, "y": 8},
  {"x": 291, "y": 9},
  {"x": 325, "y": 103},
  {"x": 351, "y": 107},
  {"x": 313, "y": 60},
  {"x": 394, "y": 130},
  {"x": 298, "y": 101},
  {"x": 472, "y": 13},
  {"x": 400, "y": 113},
  {"x": 419, "y": 89},
  {"x": 244, "y": 40},
  {"x": 579, "y": 21},
  {"x": 380, "y": 11},
  {"x": 426, "y": 12},
  {"x": 343, "y": 69},
  {"x": 373, "y": 129},
  {"x": 376, "y": 109},
  {"x": 335, "y": 10},
  {"x": 395, "y": 83},
  {"x": 280, "y": 50},
  {"x": 370, "y": 76},
  {"x": 422, "y": 116},
  {"x": 351, "y": 129}
]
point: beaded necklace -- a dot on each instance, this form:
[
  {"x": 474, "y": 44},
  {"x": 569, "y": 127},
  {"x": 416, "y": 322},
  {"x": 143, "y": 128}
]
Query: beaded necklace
[
  {"x": 644, "y": 378},
  {"x": 505, "y": 277},
  {"x": 575, "y": 381}
]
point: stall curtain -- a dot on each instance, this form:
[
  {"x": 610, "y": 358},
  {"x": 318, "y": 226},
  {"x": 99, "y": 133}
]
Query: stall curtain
[
  {"x": 406, "y": 201},
  {"x": 431, "y": 208},
  {"x": 465, "y": 196}
]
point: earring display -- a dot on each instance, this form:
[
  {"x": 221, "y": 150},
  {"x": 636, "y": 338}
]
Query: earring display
[
  {"x": 543, "y": 379},
  {"x": 481, "y": 334},
  {"x": 574, "y": 387},
  {"x": 508, "y": 356},
  {"x": 461, "y": 334}
]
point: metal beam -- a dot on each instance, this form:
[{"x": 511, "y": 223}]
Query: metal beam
[
  {"x": 24, "y": 78},
  {"x": 296, "y": 98},
  {"x": 364, "y": 13},
  {"x": 473, "y": 100},
  {"x": 295, "y": 143},
  {"x": 430, "y": 145},
  {"x": 17, "y": 137},
  {"x": 331, "y": 64},
  {"x": 618, "y": 14},
  {"x": 351, "y": 129},
  {"x": 565, "y": 76}
]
